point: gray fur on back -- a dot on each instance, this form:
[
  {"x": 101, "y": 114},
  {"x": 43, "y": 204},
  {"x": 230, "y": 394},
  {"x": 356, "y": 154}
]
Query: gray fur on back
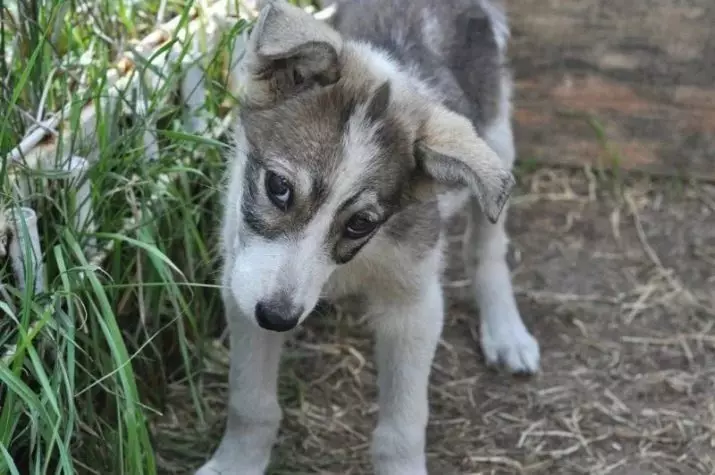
[{"x": 456, "y": 46}]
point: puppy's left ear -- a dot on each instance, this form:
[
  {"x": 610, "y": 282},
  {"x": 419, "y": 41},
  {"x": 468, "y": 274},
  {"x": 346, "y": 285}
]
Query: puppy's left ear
[
  {"x": 288, "y": 52},
  {"x": 449, "y": 150}
]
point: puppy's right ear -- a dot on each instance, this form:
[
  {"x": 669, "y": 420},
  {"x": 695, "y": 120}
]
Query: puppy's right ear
[{"x": 288, "y": 52}]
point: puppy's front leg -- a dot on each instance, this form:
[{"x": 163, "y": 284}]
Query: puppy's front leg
[
  {"x": 407, "y": 334},
  {"x": 254, "y": 414},
  {"x": 505, "y": 339}
]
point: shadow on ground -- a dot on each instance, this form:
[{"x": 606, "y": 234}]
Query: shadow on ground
[{"x": 620, "y": 290}]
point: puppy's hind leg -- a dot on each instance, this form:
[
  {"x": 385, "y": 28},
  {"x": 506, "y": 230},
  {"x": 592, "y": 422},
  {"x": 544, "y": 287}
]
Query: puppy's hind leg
[
  {"x": 254, "y": 414},
  {"x": 504, "y": 337},
  {"x": 407, "y": 336}
]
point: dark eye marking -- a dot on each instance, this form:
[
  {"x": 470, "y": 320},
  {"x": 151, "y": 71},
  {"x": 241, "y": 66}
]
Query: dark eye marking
[
  {"x": 359, "y": 226},
  {"x": 279, "y": 190}
]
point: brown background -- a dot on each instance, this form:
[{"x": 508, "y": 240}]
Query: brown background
[{"x": 642, "y": 71}]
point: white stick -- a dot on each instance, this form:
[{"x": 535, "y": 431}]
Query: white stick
[
  {"x": 193, "y": 94},
  {"x": 25, "y": 237},
  {"x": 81, "y": 206},
  {"x": 152, "y": 91}
]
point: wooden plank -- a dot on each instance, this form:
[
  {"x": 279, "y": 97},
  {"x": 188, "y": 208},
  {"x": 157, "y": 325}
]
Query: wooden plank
[{"x": 639, "y": 74}]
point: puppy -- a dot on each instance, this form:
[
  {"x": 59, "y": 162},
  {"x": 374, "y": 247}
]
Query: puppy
[{"x": 356, "y": 140}]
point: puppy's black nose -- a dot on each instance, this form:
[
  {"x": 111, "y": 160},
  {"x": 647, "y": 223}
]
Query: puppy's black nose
[{"x": 276, "y": 317}]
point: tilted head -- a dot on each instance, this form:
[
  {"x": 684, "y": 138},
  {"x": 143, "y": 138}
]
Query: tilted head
[{"x": 333, "y": 141}]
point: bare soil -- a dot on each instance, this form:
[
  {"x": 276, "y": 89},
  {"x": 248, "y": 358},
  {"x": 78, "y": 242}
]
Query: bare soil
[{"x": 617, "y": 282}]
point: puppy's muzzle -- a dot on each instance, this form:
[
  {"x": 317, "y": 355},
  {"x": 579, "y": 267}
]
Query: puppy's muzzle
[{"x": 277, "y": 315}]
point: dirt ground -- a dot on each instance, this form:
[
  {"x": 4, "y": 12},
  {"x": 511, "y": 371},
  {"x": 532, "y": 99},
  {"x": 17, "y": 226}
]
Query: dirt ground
[{"x": 616, "y": 282}]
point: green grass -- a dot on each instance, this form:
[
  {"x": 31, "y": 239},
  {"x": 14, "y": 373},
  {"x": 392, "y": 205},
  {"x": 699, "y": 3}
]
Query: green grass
[{"x": 85, "y": 362}]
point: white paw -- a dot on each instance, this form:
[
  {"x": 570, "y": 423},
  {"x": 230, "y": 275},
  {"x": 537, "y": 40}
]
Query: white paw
[{"x": 511, "y": 346}]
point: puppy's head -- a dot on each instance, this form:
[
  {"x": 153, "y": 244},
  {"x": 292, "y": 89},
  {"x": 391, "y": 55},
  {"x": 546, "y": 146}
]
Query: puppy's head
[{"x": 333, "y": 140}]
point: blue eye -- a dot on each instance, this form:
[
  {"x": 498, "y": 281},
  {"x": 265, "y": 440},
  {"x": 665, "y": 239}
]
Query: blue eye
[{"x": 279, "y": 190}]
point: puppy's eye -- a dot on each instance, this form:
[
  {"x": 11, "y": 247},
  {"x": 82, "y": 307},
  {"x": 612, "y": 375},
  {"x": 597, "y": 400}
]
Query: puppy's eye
[
  {"x": 359, "y": 226},
  {"x": 279, "y": 190}
]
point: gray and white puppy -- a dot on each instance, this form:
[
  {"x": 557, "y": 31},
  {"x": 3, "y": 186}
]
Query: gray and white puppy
[{"x": 355, "y": 143}]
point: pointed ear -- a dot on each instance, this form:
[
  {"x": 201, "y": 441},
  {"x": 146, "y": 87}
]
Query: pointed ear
[
  {"x": 449, "y": 150},
  {"x": 288, "y": 51}
]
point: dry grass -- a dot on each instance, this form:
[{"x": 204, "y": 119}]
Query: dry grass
[{"x": 617, "y": 284}]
